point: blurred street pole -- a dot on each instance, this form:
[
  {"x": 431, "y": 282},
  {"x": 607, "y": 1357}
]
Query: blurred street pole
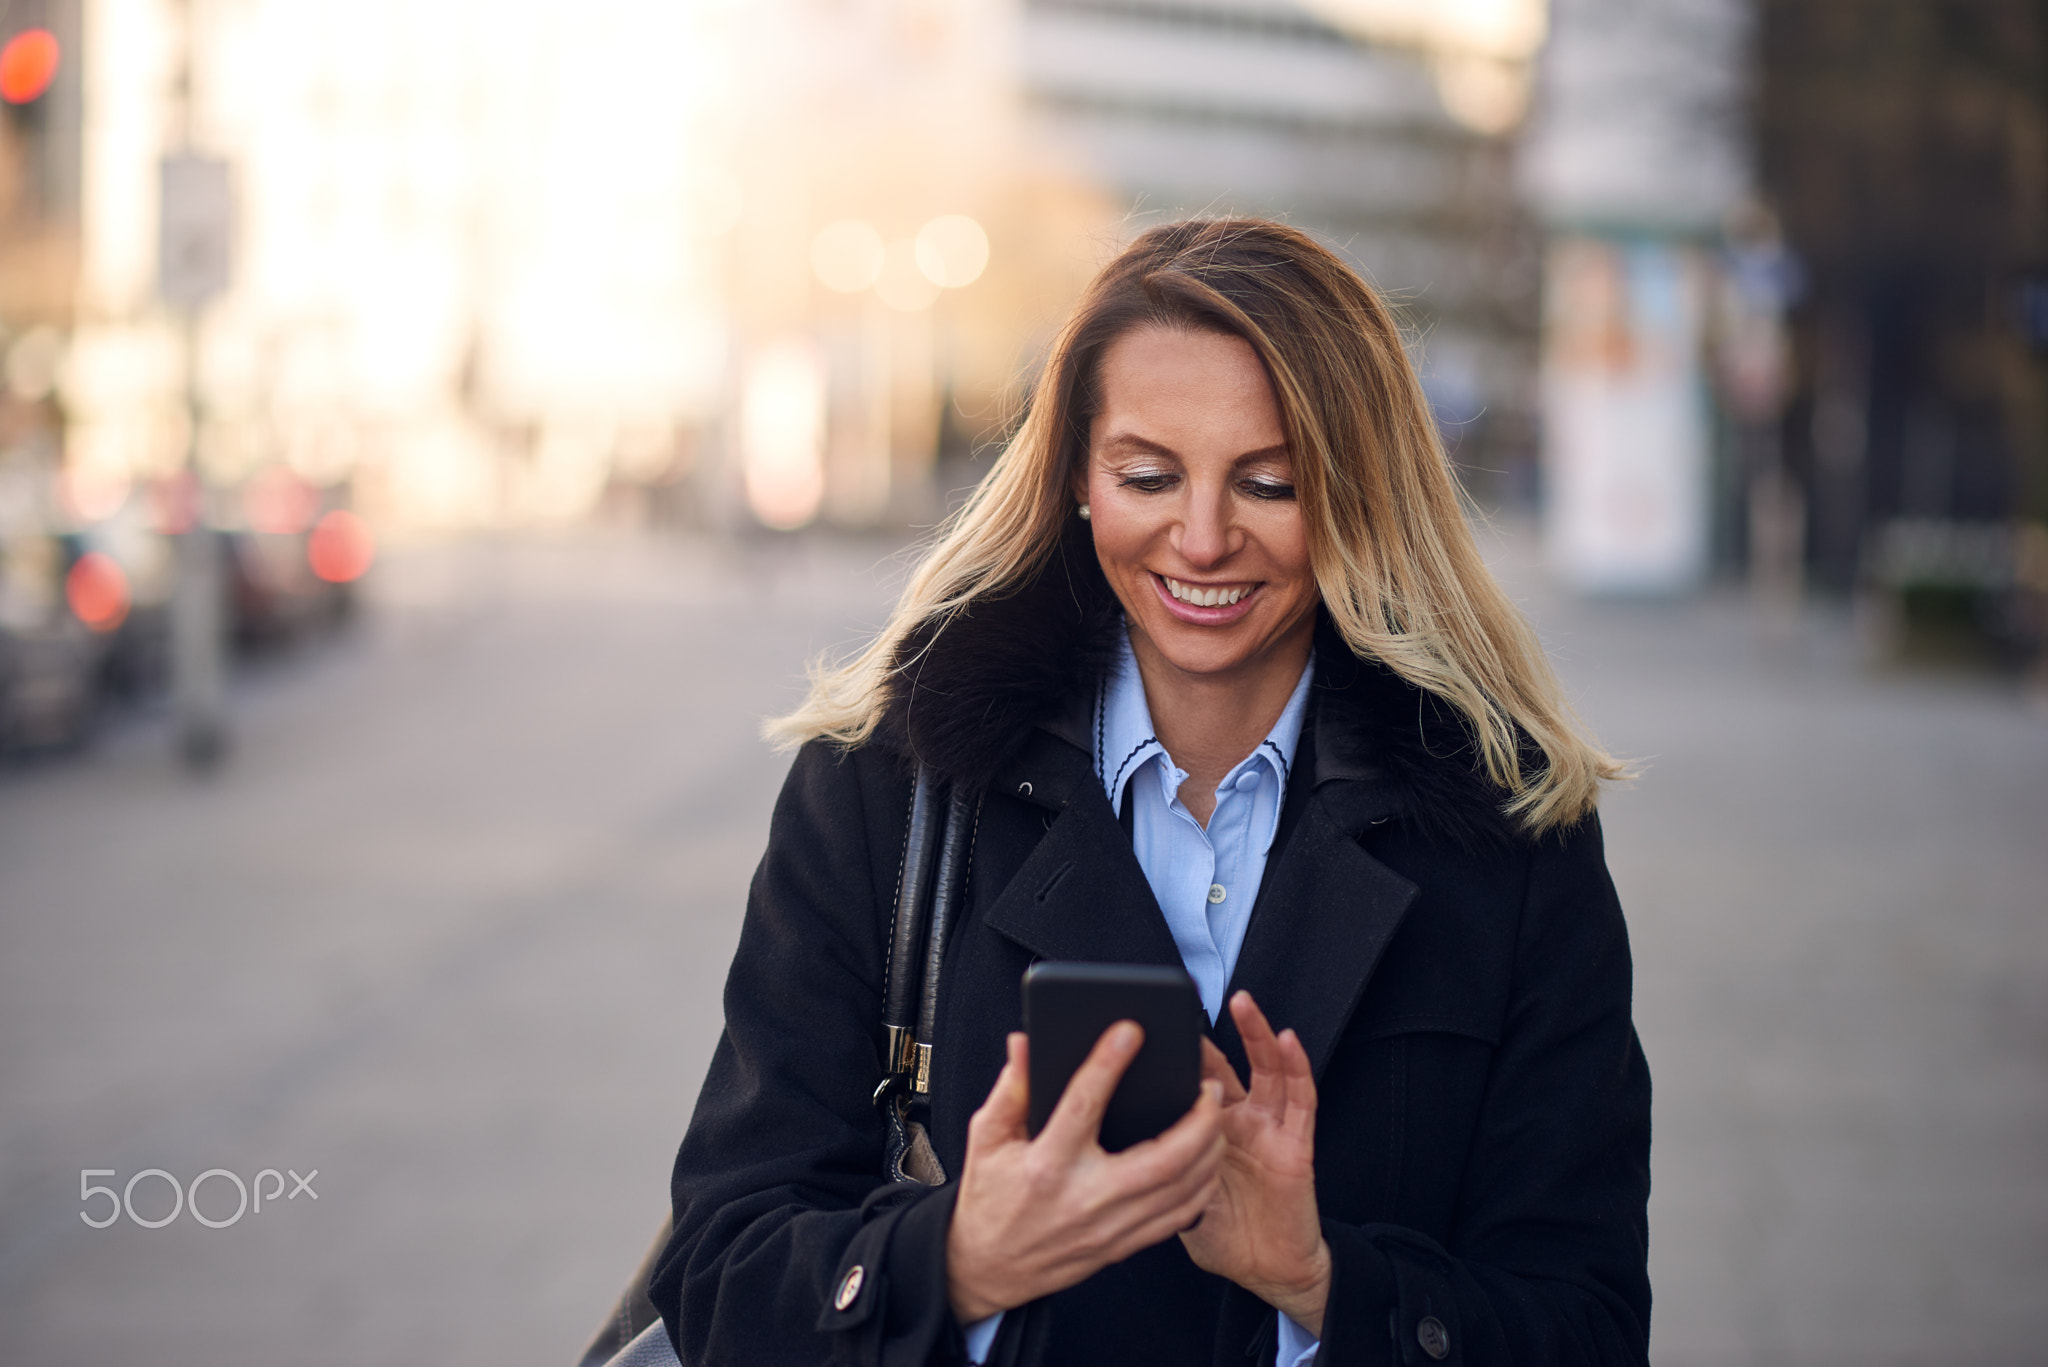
[
  {"x": 196, "y": 627},
  {"x": 1759, "y": 282},
  {"x": 195, "y": 225}
]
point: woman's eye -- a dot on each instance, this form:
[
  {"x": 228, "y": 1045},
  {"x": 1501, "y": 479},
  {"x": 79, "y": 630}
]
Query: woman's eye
[
  {"x": 1148, "y": 482},
  {"x": 1268, "y": 489}
]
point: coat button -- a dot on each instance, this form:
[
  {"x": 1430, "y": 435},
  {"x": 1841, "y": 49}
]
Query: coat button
[
  {"x": 849, "y": 1288},
  {"x": 1431, "y": 1334},
  {"x": 1024, "y": 790}
]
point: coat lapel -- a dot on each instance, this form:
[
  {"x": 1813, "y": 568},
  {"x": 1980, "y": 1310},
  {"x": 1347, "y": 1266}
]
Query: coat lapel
[
  {"x": 1325, "y": 915},
  {"x": 1081, "y": 894},
  {"x": 1326, "y": 908}
]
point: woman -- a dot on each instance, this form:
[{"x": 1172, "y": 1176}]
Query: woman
[{"x": 1214, "y": 647}]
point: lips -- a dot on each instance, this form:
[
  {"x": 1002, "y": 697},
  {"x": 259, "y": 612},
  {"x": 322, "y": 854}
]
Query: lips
[{"x": 1203, "y": 612}]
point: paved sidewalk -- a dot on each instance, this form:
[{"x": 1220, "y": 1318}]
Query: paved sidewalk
[
  {"x": 451, "y": 928},
  {"x": 1837, "y": 885}
]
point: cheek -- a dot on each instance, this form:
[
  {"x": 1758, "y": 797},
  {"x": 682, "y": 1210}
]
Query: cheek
[
  {"x": 1122, "y": 526},
  {"x": 1285, "y": 537},
  {"x": 1119, "y": 539}
]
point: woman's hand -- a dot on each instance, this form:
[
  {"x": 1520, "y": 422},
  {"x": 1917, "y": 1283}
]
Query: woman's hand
[
  {"x": 1263, "y": 1230},
  {"x": 1035, "y": 1216}
]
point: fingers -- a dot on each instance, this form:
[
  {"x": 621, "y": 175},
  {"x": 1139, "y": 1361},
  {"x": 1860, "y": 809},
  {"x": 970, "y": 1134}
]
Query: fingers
[
  {"x": 1077, "y": 1118},
  {"x": 1182, "y": 1216},
  {"x": 1217, "y": 1067},
  {"x": 1300, "y": 1081},
  {"x": 1261, "y": 1050},
  {"x": 1188, "y": 1163},
  {"x": 1192, "y": 1131},
  {"x": 1186, "y": 1152},
  {"x": 1002, "y": 1117},
  {"x": 1281, "y": 1075}
]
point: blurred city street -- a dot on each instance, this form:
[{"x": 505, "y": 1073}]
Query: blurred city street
[
  {"x": 475, "y": 415},
  {"x": 450, "y": 925}
]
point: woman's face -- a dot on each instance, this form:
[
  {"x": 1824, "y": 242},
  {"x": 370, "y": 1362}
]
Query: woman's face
[{"x": 1191, "y": 496}]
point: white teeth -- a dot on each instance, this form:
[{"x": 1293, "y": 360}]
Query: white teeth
[{"x": 1203, "y": 598}]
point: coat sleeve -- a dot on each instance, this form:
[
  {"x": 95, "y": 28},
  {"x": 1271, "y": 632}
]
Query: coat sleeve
[
  {"x": 1548, "y": 1256},
  {"x": 777, "y": 1189}
]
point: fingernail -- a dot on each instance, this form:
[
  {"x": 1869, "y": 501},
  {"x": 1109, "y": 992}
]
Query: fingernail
[{"x": 1126, "y": 1035}]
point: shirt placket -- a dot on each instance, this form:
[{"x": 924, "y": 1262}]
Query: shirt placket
[
  {"x": 1194, "y": 880},
  {"x": 1230, "y": 834}
]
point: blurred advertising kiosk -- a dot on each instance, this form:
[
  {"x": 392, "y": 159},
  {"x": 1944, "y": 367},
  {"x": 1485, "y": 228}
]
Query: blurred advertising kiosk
[{"x": 1634, "y": 163}]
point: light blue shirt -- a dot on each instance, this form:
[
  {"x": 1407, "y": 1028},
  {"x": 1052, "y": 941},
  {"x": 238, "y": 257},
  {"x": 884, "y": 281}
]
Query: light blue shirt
[{"x": 1205, "y": 880}]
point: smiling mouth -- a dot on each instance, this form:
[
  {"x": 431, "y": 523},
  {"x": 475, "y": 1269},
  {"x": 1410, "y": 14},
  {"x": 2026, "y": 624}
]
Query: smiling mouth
[{"x": 1206, "y": 595}]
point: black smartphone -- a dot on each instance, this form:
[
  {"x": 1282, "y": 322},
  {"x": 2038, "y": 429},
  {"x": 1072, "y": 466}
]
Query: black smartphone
[{"x": 1067, "y": 1006}]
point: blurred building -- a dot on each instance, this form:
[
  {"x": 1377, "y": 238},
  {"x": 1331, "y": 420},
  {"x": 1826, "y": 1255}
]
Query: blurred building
[
  {"x": 1379, "y": 127},
  {"x": 1905, "y": 146},
  {"x": 469, "y": 268},
  {"x": 39, "y": 164},
  {"x": 533, "y": 262}
]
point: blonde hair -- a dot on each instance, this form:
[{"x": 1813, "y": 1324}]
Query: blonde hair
[{"x": 1401, "y": 579}]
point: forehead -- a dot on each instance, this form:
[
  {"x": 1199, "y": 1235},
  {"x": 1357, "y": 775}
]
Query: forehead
[{"x": 1194, "y": 393}]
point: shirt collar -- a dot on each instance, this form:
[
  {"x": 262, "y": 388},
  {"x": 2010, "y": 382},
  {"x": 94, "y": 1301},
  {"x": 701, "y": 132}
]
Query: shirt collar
[{"x": 1125, "y": 740}]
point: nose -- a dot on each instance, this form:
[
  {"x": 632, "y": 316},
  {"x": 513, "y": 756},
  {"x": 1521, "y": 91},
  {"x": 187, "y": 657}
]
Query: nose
[{"x": 1205, "y": 533}]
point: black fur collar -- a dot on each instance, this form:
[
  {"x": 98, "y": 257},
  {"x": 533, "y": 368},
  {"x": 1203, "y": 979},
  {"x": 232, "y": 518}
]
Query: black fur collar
[{"x": 966, "y": 701}]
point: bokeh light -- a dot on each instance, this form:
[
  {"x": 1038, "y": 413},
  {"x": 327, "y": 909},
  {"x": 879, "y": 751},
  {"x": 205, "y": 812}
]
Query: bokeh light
[
  {"x": 341, "y": 547},
  {"x": 952, "y": 251},
  {"x": 27, "y": 65},
  {"x": 847, "y": 255},
  {"x": 782, "y": 433},
  {"x": 93, "y": 493},
  {"x": 278, "y": 502},
  {"x": 97, "y": 591},
  {"x": 904, "y": 285}
]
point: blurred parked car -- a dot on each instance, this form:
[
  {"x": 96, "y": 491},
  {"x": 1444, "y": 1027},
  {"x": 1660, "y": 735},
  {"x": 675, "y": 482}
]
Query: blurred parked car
[
  {"x": 85, "y": 601},
  {"x": 292, "y": 567},
  {"x": 49, "y": 659}
]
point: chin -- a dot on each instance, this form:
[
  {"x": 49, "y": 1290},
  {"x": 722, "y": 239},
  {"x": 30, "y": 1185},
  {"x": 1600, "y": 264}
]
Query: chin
[{"x": 1205, "y": 650}]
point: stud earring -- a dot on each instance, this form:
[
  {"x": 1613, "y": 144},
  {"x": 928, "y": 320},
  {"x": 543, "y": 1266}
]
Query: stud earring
[{"x": 1084, "y": 512}]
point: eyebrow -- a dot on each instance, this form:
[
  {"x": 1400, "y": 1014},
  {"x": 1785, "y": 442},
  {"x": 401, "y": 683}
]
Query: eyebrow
[{"x": 1146, "y": 444}]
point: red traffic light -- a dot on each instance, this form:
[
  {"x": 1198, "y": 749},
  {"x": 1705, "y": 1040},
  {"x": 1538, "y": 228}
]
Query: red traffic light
[
  {"x": 341, "y": 547},
  {"x": 27, "y": 65},
  {"x": 97, "y": 591}
]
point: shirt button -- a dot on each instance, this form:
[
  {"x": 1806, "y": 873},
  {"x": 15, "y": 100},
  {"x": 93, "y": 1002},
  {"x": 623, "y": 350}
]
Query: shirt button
[
  {"x": 1247, "y": 780},
  {"x": 1216, "y": 893},
  {"x": 1434, "y": 1338}
]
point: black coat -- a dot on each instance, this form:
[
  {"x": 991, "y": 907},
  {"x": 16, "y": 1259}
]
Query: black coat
[{"x": 1482, "y": 1138}]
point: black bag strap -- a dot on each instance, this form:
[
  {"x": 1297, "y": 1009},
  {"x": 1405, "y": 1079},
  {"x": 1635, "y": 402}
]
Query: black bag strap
[
  {"x": 917, "y": 955},
  {"x": 904, "y": 968},
  {"x": 955, "y": 853},
  {"x": 929, "y": 891}
]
